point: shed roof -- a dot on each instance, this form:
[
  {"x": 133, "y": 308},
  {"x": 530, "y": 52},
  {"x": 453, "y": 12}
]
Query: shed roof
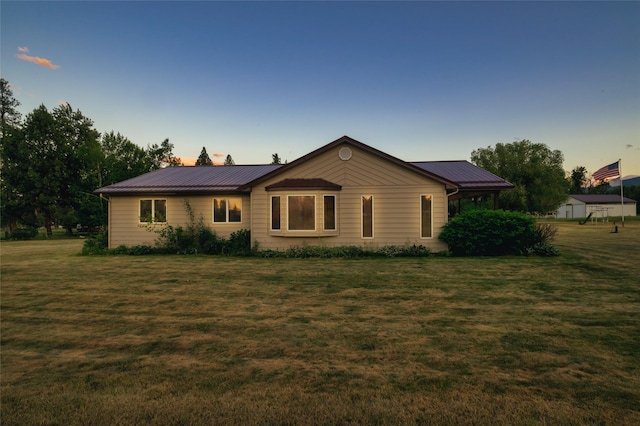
[{"x": 601, "y": 198}]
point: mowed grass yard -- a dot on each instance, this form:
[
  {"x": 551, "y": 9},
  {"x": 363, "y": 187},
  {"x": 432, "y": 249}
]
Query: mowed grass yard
[{"x": 172, "y": 340}]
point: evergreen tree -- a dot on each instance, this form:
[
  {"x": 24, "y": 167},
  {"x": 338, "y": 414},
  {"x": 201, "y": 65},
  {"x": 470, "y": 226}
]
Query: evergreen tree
[
  {"x": 229, "y": 161},
  {"x": 275, "y": 159},
  {"x": 204, "y": 159},
  {"x": 9, "y": 116}
]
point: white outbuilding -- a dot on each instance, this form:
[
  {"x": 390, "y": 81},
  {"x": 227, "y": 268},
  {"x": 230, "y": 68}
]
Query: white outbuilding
[{"x": 593, "y": 205}]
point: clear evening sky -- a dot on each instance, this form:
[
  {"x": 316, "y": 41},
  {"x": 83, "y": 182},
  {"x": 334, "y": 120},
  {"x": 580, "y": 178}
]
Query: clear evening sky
[{"x": 418, "y": 80}]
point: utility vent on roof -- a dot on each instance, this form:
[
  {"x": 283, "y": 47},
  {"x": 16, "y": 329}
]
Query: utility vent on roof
[{"x": 345, "y": 153}]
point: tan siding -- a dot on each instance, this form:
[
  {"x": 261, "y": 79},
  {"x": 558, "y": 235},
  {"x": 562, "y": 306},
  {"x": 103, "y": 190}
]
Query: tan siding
[
  {"x": 125, "y": 229},
  {"x": 396, "y": 192}
]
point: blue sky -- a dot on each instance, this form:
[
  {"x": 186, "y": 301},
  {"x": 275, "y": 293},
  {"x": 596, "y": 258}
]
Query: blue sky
[{"x": 418, "y": 80}]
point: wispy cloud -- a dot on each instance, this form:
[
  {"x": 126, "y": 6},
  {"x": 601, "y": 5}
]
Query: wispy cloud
[
  {"x": 217, "y": 154},
  {"x": 35, "y": 59}
]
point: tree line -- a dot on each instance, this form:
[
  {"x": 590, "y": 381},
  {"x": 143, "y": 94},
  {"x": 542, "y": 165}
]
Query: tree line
[{"x": 52, "y": 161}]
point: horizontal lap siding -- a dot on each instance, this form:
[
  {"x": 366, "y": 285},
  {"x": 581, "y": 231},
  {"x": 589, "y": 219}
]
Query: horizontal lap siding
[
  {"x": 396, "y": 192},
  {"x": 125, "y": 229}
]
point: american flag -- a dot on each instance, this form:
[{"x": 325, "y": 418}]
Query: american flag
[{"x": 609, "y": 171}]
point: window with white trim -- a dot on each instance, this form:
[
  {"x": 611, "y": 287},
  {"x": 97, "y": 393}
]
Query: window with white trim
[
  {"x": 301, "y": 212},
  {"x": 367, "y": 216},
  {"x": 426, "y": 216},
  {"x": 153, "y": 211},
  {"x": 227, "y": 210}
]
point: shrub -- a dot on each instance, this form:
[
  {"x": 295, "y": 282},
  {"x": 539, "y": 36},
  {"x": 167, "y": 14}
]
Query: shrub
[
  {"x": 489, "y": 233},
  {"x": 403, "y": 251},
  {"x": 96, "y": 244},
  {"x": 545, "y": 233},
  {"x": 239, "y": 243},
  {"x": 348, "y": 252},
  {"x": 24, "y": 233}
]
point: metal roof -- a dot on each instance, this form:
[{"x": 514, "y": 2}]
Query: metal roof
[
  {"x": 465, "y": 174},
  {"x": 600, "y": 198},
  {"x": 192, "y": 179},
  {"x": 315, "y": 183},
  {"x": 209, "y": 179}
]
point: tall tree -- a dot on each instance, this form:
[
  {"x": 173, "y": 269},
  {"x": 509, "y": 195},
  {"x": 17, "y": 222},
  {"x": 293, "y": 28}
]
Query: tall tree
[
  {"x": 275, "y": 159},
  {"x": 204, "y": 159},
  {"x": 577, "y": 179},
  {"x": 162, "y": 156},
  {"x": 49, "y": 164},
  {"x": 122, "y": 159},
  {"x": 229, "y": 161},
  {"x": 9, "y": 115},
  {"x": 12, "y": 203},
  {"x": 11, "y": 211},
  {"x": 535, "y": 170}
]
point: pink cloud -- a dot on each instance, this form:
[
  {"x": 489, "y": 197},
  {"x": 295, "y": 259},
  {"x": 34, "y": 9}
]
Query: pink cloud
[{"x": 35, "y": 59}]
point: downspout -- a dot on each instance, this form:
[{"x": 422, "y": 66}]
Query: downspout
[{"x": 449, "y": 195}]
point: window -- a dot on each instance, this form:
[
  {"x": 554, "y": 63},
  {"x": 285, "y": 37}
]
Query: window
[
  {"x": 227, "y": 209},
  {"x": 275, "y": 212},
  {"x": 425, "y": 216},
  {"x": 153, "y": 211},
  {"x": 330, "y": 212},
  {"x": 367, "y": 216},
  {"x": 302, "y": 212}
]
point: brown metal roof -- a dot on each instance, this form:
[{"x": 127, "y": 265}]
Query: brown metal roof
[
  {"x": 191, "y": 179},
  {"x": 600, "y": 198},
  {"x": 460, "y": 175},
  {"x": 467, "y": 176},
  {"x": 304, "y": 184}
]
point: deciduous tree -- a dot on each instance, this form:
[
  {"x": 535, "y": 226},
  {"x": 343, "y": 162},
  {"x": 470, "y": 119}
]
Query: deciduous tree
[
  {"x": 577, "y": 179},
  {"x": 535, "y": 170}
]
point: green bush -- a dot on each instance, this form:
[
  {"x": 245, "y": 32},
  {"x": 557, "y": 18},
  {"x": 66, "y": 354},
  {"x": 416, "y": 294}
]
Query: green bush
[
  {"x": 24, "y": 233},
  {"x": 239, "y": 243},
  {"x": 348, "y": 252},
  {"x": 545, "y": 233},
  {"x": 489, "y": 233}
]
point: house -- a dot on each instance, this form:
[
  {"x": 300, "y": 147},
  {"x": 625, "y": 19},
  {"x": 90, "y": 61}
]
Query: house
[
  {"x": 599, "y": 206},
  {"x": 344, "y": 193}
]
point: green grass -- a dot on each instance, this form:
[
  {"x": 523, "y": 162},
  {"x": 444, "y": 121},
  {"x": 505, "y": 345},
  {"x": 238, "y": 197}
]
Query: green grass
[{"x": 218, "y": 340}]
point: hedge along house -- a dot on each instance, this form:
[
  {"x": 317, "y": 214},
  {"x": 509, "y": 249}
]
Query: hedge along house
[{"x": 344, "y": 193}]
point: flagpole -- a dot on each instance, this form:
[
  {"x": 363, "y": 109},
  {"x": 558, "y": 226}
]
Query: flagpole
[{"x": 621, "y": 190}]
